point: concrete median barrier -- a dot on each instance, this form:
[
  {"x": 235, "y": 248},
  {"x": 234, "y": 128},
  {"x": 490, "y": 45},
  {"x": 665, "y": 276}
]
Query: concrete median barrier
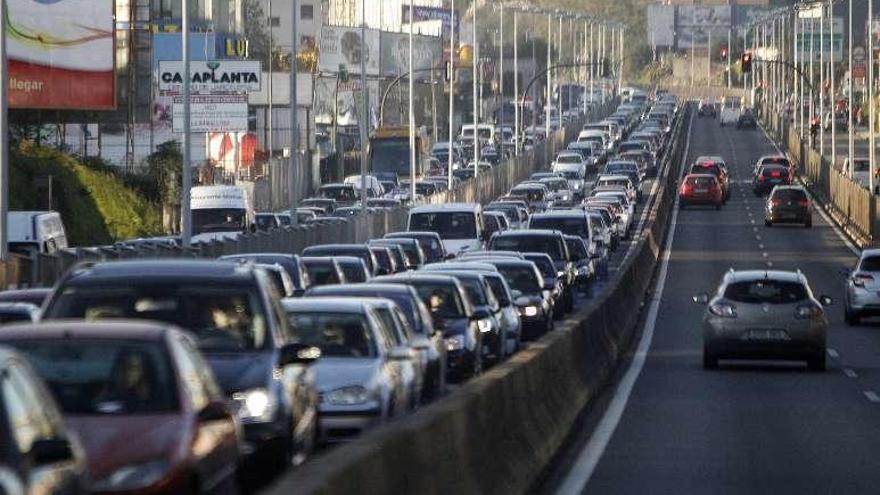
[{"x": 497, "y": 433}]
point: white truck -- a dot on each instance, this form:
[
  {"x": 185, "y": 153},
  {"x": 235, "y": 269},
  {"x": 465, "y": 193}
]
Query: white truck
[
  {"x": 220, "y": 212},
  {"x": 35, "y": 232}
]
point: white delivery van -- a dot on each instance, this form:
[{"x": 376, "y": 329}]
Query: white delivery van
[
  {"x": 35, "y": 232},
  {"x": 220, "y": 212},
  {"x": 460, "y": 225}
]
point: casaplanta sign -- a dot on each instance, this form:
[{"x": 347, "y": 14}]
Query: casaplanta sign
[{"x": 227, "y": 76}]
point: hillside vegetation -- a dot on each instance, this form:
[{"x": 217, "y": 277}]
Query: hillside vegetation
[{"x": 96, "y": 206}]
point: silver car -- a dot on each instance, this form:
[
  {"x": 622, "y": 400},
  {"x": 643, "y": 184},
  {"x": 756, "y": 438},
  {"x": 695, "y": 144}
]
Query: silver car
[
  {"x": 360, "y": 373},
  {"x": 863, "y": 288},
  {"x": 764, "y": 314}
]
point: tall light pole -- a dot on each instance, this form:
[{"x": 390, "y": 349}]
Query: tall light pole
[
  {"x": 549, "y": 77},
  {"x": 587, "y": 56},
  {"x": 832, "y": 87},
  {"x": 412, "y": 114},
  {"x": 592, "y": 67},
  {"x": 186, "y": 173},
  {"x": 501, "y": 70},
  {"x": 4, "y": 135},
  {"x": 850, "y": 141},
  {"x": 729, "y": 56},
  {"x": 822, "y": 79},
  {"x": 516, "y": 101},
  {"x": 475, "y": 55},
  {"x": 871, "y": 124},
  {"x": 709, "y": 60},
  {"x": 451, "y": 73},
  {"x": 294, "y": 124},
  {"x": 270, "y": 124}
]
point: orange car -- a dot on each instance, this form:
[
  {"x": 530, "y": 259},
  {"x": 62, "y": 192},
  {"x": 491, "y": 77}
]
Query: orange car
[{"x": 701, "y": 189}]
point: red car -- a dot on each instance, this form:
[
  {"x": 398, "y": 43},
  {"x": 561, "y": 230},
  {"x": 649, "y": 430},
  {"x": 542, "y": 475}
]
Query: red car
[
  {"x": 718, "y": 169},
  {"x": 142, "y": 400},
  {"x": 701, "y": 189}
]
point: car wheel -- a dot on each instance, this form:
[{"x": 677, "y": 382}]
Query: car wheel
[
  {"x": 710, "y": 360},
  {"x": 768, "y": 223},
  {"x": 718, "y": 206},
  {"x": 851, "y": 317},
  {"x": 478, "y": 366},
  {"x": 569, "y": 301},
  {"x": 809, "y": 223},
  {"x": 817, "y": 363}
]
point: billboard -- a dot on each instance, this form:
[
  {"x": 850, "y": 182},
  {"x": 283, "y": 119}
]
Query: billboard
[
  {"x": 696, "y": 22},
  {"x": 61, "y": 54},
  {"x": 342, "y": 46},
  {"x": 422, "y": 14},
  {"x": 427, "y": 53},
  {"x": 661, "y": 25},
  {"x": 216, "y": 76},
  {"x": 212, "y": 113},
  {"x": 813, "y": 35}
]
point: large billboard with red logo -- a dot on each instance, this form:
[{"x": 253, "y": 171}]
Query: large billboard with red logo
[{"x": 61, "y": 54}]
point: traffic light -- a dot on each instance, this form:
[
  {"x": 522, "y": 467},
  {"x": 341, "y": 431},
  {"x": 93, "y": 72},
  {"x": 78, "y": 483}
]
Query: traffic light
[
  {"x": 723, "y": 53},
  {"x": 746, "y": 62}
]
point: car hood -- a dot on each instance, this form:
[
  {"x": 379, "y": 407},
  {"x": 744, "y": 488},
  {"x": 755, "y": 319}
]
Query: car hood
[
  {"x": 454, "y": 246},
  {"x": 336, "y": 372},
  {"x": 240, "y": 371},
  {"x": 113, "y": 441}
]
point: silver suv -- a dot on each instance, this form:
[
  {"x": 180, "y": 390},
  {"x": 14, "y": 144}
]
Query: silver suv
[
  {"x": 764, "y": 314},
  {"x": 863, "y": 288}
]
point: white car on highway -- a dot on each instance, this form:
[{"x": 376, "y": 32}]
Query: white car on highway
[{"x": 731, "y": 109}]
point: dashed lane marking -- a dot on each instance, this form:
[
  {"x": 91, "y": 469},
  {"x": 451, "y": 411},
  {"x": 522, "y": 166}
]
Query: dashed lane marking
[
  {"x": 833, "y": 353},
  {"x": 850, "y": 373},
  {"x": 872, "y": 396}
]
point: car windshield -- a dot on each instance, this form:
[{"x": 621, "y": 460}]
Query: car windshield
[
  {"x": 568, "y": 159},
  {"x": 450, "y": 225},
  {"x": 577, "y": 248},
  {"x": 570, "y": 174},
  {"x": 870, "y": 264},
  {"x": 701, "y": 181},
  {"x": 529, "y": 194},
  {"x": 789, "y": 194},
  {"x": 544, "y": 265},
  {"x": 475, "y": 291},
  {"x": 774, "y": 172},
  {"x": 529, "y": 244},
  {"x": 566, "y": 225},
  {"x": 322, "y": 272},
  {"x": 354, "y": 272},
  {"x": 104, "y": 376},
  {"x": 766, "y": 291},
  {"x": 339, "y": 193},
  {"x": 336, "y": 334},
  {"x": 220, "y": 318},
  {"x": 497, "y": 286},
  {"x": 266, "y": 222},
  {"x": 522, "y": 278},
  {"x": 442, "y": 300},
  {"x": 206, "y": 220}
]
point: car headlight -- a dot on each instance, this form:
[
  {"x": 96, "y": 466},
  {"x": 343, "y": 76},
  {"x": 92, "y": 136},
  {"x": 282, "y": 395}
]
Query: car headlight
[
  {"x": 255, "y": 404},
  {"x": 133, "y": 476},
  {"x": 347, "y": 396},
  {"x": 485, "y": 325},
  {"x": 560, "y": 274},
  {"x": 455, "y": 343},
  {"x": 529, "y": 310},
  {"x": 583, "y": 271}
]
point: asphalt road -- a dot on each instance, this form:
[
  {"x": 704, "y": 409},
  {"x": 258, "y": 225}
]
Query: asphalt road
[{"x": 765, "y": 427}]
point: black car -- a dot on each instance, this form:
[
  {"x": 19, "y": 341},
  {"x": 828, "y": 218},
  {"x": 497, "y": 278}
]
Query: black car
[
  {"x": 770, "y": 176},
  {"x": 290, "y": 263},
  {"x": 451, "y": 313},
  {"x": 387, "y": 262},
  {"x": 354, "y": 269},
  {"x": 235, "y": 316},
  {"x": 707, "y": 109},
  {"x": 429, "y": 341},
  {"x": 788, "y": 204},
  {"x": 37, "y": 455},
  {"x": 550, "y": 242},
  {"x": 36, "y": 296},
  {"x": 412, "y": 249},
  {"x": 746, "y": 120},
  {"x": 431, "y": 243},
  {"x": 323, "y": 270},
  {"x": 358, "y": 250}
]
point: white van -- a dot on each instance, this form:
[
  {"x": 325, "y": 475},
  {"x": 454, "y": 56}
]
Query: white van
[
  {"x": 374, "y": 186},
  {"x": 220, "y": 212},
  {"x": 731, "y": 109},
  {"x": 35, "y": 232},
  {"x": 460, "y": 225}
]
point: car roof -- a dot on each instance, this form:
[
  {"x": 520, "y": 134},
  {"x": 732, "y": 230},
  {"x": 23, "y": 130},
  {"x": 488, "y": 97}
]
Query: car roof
[
  {"x": 329, "y": 303},
  {"x": 529, "y": 233},
  {"x": 176, "y": 268},
  {"x": 458, "y": 265},
  {"x": 559, "y": 214},
  {"x": 750, "y": 275},
  {"x": 105, "y": 329},
  {"x": 358, "y": 288},
  {"x": 447, "y": 207}
]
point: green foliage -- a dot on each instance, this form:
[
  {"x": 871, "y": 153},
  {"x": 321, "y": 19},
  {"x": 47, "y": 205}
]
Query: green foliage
[
  {"x": 165, "y": 166},
  {"x": 96, "y": 206}
]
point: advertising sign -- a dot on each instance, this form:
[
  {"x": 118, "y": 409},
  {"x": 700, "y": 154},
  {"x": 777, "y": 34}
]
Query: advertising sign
[
  {"x": 216, "y": 76},
  {"x": 695, "y": 22},
  {"x": 427, "y": 53},
  {"x": 661, "y": 25},
  {"x": 61, "y": 54},
  {"x": 343, "y": 46},
  {"x": 422, "y": 14},
  {"x": 812, "y": 36},
  {"x": 213, "y": 113}
]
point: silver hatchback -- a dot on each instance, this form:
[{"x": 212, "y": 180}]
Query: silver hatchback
[
  {"x": 863, "y": 288},
  {"x": 764, "y": 314}
]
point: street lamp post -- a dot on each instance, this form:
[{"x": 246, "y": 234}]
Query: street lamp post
[
  {"x": 832, "y": 87},
  {"x": 4, "y": 135},
  {"x": 475, "y": 54},
  {"x": 850, "y": 142},
  {"x": 871, "y": 103},
  {"x": 451, "y": 73},
  {"x": 364, "y": 117},
  {"x": 412, "y": 114},
  {"x": 294, "y": 124},
  {"x": 186, "y": 173}
]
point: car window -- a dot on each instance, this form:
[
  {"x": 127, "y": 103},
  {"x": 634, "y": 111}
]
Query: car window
[
  {"x": 701, "y": 181},
  {"x": 191, "y": 376},
  {"x": 789, "y": 194},
  {"x": 577, "y": 248},
  {"x": 443, "y": 301},
  {"x": 104, "y": 376},
  {"x": 530, "y": 244},
  {"x": 870, "y": 264},
  {"x": 336, "y": 334},
  {"x": 498, "y": 290},
  {"x": 389, "y": 326},
  {"x": 767, "y": 291},
  {"x": 322, "y": 273},
  {"x": 29, "y": 419}
]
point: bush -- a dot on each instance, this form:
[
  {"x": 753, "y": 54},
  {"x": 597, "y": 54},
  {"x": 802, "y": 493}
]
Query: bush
[{"x": 95, "y": 204}]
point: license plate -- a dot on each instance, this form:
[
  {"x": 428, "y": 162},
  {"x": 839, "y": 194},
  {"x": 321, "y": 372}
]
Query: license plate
[
  {"x": 766, "y": 334},
  {"x": 700, "y": 191}
]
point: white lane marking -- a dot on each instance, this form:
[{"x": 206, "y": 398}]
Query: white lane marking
[
  {"x": 769, "y": 264},
  {"x": 760, "y": 246},
  {"x": 850, "y": 373},
  {"x": 872, "y": 396},
  {"x": 588, "y": 458},
  {"x": 758, "y": 237},
  {"x": 852, "y": 247},
  {"x": 833, "y": 353},
  {"x": 755, "y": 229},
  {"x": 752, "y": 220},
  {"x": 764, "y": 254}
]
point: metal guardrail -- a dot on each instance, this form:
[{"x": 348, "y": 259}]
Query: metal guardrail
[{"x": 43, "y": 270}]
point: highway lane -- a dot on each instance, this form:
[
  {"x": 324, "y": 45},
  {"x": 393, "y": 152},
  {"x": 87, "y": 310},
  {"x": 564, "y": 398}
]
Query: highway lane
[{"x": 748, "y": 427}]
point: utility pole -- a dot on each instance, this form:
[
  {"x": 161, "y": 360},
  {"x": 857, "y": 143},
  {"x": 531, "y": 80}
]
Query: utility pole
[
  {"x": 294, "y": 131},
  {"x": 412, "y": 114},
  {"x": 832, "y": 88},
  {"x": 871, "y": 104},
  {"x": 517, "y": 137},
  {"x": 729, "y": 56},
  {"x": 271, "y": 120},
  {"x": 709, "y": 60},
  {"x": 451, "y": 73},
  {"x": 364, "y": 117},
  {"x": 549, "y": 77},
  {"x": 850, "y": 138},
  {"x": 501, "y": 72},
  {"x": 186, "y": 174},
  {"x": 475, "y": 54},
  {"x": 822, "y": 80}
]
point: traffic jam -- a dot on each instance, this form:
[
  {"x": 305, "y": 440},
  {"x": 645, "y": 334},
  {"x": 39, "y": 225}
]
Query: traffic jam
[{"x": 183, "y": 375}]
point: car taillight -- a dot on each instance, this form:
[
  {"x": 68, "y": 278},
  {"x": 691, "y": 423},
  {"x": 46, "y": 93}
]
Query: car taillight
[
  {"x": 775, "y": 202},
  {"x": 760, "y": 178},
  {"x": 803, "y": 203},
  {"x": 807, "y": 311},
  {"x": 776, "y": 173},
  {"x": 723, "y": 310},
  {"x": 687, "y": 188},
  {"x": 860, "y": 279}
]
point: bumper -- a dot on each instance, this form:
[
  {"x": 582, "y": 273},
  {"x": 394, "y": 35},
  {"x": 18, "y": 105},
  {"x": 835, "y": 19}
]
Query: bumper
[
  {"x": 535, "y": 326},
  {"x": 341, "y": 423},
  {"x": 788, "y": 216},
  {"x": 265, "y": 439},
  {"x": 699, "y": 200},
  {"x": 866, "y": 302},
  {"x": 788, "y": 350}
]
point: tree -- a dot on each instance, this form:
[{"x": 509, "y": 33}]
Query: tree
[{"x": 255, "y": 30}]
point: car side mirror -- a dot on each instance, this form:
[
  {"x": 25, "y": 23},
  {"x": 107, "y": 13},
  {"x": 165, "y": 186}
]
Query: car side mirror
[
  {"x": 298, "y": 354},
  {"x": 701, "y": 298},
  {"x": 480, "y": 314},
  {"x": 214, "y": 411},
  {"x": 50, "y": 451},
  {"x": 826, "y": 301},
  {"x": 449, "y": 256}
]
